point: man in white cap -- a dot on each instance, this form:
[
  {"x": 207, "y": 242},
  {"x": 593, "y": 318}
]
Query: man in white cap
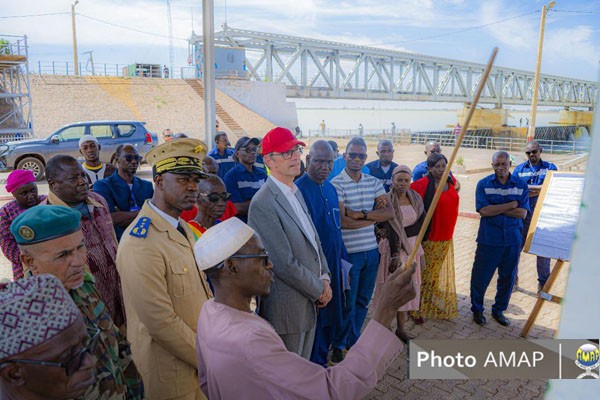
[
  {"x": 240, "y": 356},
  {"x": 93, "y": 167},
  {"x": 45, "y": 349}
]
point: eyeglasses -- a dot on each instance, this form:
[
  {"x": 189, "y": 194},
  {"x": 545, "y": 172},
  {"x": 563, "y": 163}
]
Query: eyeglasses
[
  {"x": 214, "y": 197},
  {"x": 264, "y": 256},
  {"x": 353, "y": 156},
  {"x": 288, "y": 154},
  {"x": 249, "y": 150},
  {"x": 534, "y": 152},
  {"x": 131, "y": 157},
  {"x": 73, "y": 364}
]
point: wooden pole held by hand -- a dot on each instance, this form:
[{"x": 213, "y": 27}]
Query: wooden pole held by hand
[{"x": 459, "y": 140}]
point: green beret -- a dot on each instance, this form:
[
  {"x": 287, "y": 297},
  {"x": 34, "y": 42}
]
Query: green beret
[{"x": 45, "y": 222}]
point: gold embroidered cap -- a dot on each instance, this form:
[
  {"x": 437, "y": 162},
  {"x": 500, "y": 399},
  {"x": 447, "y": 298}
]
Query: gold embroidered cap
[{"x": 179, "y": 156}]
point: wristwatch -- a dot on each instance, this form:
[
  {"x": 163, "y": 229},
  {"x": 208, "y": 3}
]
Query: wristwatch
[{"x": 365, "y": 214}]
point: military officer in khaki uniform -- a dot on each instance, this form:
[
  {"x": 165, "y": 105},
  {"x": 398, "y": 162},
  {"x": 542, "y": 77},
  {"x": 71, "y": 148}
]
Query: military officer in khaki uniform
[{"x": 162, "y": 286}]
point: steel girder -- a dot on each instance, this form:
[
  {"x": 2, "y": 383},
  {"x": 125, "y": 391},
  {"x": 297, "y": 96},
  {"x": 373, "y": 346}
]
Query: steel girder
[{"x": 313, "y": 68}]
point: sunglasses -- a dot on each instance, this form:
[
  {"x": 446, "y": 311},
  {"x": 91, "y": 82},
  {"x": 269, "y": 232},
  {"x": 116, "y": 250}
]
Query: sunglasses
[
  {"x": 73, "y": 364},
  {"x": 353, "y": 156},
  {"x": 132, "y": 157},
  {"x": 249, "y": 150},
  {"x": 214, "y": 197},
  {"x": 263, "y": 256},
  {"x": 288, "y": 154},
  {"x": 534, "y": 152}
]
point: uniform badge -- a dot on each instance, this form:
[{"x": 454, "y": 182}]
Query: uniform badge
[
  {"x": 141, "y": 228},
  {"x": 26, "y": 232}
]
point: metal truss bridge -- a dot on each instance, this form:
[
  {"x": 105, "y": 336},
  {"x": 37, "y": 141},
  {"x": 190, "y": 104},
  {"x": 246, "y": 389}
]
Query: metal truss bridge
[{"x": 313, "y": 68}]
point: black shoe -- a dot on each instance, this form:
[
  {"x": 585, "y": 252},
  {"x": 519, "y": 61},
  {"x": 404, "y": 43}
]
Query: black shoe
[
  {"x": 479, "y": 318},
  {"x": 337, "y": 356},
  {"x": 502, "y": 320}
]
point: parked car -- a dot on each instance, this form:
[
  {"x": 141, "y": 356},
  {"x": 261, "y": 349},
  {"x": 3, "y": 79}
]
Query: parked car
[{"x": 32, "y": 154}]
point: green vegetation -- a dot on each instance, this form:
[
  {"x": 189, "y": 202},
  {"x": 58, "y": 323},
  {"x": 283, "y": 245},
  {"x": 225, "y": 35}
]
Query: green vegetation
[{"x": 4, "y": 46}]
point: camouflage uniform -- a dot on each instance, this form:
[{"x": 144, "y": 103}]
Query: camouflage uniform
[{"x": 117, "y": 377}]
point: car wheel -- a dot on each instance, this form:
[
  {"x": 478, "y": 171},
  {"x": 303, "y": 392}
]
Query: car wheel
[{"x": 34, "y": 165}]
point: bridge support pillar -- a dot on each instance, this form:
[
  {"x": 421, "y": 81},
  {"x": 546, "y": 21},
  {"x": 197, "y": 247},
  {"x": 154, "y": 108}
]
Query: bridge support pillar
[
  {"x": 575, "y": 117},
  {"x": 484, "y": 117}
]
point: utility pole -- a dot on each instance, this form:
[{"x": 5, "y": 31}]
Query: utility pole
[
  {"x": 208, "y": 42},
  {"x": 90, "y": 60},
  {"x": 536, "y": 79},
  {"x": 75, "y": 60},
  {"x": 171, "y": 46}
]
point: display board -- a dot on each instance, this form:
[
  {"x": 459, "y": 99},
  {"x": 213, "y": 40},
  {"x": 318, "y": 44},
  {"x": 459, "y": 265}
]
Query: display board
[{"x": 554, "y": 221}]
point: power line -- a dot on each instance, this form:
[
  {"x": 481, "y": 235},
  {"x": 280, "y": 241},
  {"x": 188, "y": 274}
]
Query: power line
[
  {"x": 129, "y": 28},
  {"x": 576, "y": 11},
  {"x": 34, "y": 15},
  {"x": 458, "y": 31}
]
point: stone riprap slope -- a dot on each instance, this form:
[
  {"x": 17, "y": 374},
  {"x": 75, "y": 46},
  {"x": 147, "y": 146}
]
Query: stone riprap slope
[{"x": 161, "y": 103}]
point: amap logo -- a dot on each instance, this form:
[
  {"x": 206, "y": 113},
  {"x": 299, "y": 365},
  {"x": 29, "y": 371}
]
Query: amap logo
[{"x": 587, "y": 358}]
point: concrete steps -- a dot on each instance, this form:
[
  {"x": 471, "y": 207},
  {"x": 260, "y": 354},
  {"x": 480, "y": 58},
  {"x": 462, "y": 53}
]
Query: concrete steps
[{"x": 223, "y": 115}]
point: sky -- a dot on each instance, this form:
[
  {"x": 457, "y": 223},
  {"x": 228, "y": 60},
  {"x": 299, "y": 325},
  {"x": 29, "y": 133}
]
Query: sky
[{"x": 125, "y": 32}]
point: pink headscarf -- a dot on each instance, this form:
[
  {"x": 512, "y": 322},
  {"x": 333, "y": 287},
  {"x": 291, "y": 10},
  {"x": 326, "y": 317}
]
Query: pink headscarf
[{"x": 18, "y": 178}]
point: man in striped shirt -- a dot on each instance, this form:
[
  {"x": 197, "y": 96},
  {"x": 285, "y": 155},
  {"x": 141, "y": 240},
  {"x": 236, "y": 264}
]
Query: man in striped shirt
[{"x": 362, "y": 202}]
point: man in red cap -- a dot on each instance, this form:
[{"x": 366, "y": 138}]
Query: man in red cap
[
  {"x": 279, "y": 215},
  {"x": 21, "y": 184}
]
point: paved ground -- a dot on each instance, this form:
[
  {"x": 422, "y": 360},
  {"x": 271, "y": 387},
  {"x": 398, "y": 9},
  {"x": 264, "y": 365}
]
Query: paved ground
[{"x": 395, "y": 384}]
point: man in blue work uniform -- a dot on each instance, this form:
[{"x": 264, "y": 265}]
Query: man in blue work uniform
[
  {"x": 222, "y": 154},
  {"x": 533, "y": 172},
  {"x": 244, "y": 180},
  {"x": 322, "y": 202},
  {"x": 420, "y": 170},
  {"x": 382, "y": 168},
  {"x": 124, "y": 192},
  {"x": 502, "y": 200}
]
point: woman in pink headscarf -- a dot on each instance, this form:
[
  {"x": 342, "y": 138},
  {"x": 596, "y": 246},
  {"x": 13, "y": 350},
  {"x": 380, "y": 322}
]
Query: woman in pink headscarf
[
  {"x": 401, "y": 234},
  {"x": 21, "y": 184}
]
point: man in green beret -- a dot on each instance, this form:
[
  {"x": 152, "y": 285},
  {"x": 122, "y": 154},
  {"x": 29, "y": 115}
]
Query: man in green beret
[
  {"x": 162, "y": 287},
  {"x": 51, "y": 242}
]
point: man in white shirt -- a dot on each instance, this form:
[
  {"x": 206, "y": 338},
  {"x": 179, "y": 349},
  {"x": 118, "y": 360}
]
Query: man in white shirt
[
  {"x": 93, "y": 167},
  {"x": 279, "y": 215}
]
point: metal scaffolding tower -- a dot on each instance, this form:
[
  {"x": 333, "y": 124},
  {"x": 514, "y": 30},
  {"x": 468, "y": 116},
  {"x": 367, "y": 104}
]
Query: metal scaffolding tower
[
  {"x": 15, "y": 95},
  {"x": 313, "y": 68}
]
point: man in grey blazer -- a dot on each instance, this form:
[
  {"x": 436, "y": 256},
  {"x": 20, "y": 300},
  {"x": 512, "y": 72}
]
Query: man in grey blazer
[{"x": 279, "y": 215}]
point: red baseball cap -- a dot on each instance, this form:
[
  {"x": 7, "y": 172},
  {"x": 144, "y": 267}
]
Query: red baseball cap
[{"x": 279, "y": 140}]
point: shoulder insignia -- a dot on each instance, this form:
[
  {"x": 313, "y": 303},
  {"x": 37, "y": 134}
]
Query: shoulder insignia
[{"x": 141, "y": 228}]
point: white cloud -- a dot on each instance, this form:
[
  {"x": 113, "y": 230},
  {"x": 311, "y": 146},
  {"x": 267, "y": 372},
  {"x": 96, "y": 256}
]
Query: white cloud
[
  {"x": 520, "y": 33},
  {"x": 566, "y": 45}
]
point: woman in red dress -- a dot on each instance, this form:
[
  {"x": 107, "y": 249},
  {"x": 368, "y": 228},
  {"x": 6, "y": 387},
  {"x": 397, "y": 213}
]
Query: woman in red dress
[{"x": 438, "y": 289}]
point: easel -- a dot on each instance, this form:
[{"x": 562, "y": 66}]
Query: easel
[{"x": 544, "y": 294}]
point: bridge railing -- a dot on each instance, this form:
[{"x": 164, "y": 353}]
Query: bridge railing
[{"x": 478, "y": 139}]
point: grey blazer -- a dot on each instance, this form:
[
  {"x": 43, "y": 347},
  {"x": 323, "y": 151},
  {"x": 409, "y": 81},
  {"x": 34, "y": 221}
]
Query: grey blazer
[{"x": 290, "y": 307}]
